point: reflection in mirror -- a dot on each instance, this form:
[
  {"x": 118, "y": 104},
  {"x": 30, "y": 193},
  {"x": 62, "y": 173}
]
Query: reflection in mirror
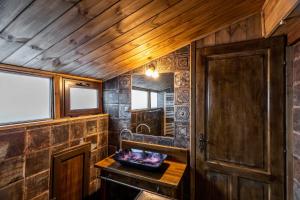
[{"x": 152, "y": 104}]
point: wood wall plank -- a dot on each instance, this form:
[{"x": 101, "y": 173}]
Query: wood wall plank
[
  {"x": 99, "y": 24},
  {"x": 36, "y": 17},
  {"x": 167, "y": 30},
  {"x": 108, "y": 37},
  {"x": 9, "y": 9},
  {"x": 73, "y": 19},
  {"x": 130, "y": 27},
  {"x": 274, "y": 11}
]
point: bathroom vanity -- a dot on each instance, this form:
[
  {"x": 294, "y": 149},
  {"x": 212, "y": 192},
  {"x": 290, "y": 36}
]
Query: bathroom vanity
[{"x": 167, "y": 181}]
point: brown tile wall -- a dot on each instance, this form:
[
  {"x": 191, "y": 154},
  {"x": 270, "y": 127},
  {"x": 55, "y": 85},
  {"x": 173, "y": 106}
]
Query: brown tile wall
[
  {"x": 25, "y": 154},
  {"x": 296, "y": 121}
]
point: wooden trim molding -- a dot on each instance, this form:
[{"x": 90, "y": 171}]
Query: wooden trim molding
[
  {"x": 52, "y": 121},
  {"x": 273, "y": 12},
  {"x": 37, "y": 72}
]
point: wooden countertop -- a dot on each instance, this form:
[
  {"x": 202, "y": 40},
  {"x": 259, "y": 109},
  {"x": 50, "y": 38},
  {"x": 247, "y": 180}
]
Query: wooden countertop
[{"x": 170, "y": 174}]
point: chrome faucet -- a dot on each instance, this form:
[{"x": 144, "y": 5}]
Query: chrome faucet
[
  {"x": 140, "y": 125},
  {"x": 122, "y": 131}
]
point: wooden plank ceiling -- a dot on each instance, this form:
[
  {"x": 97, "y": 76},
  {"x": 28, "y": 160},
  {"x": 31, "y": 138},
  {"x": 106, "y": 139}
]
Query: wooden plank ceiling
[{"x": 105, "y": 38}]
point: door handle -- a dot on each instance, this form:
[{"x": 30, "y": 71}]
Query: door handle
[{"x": 202, "y": 142}]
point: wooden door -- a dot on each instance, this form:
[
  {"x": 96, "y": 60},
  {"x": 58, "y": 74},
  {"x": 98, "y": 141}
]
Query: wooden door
[
  {"x": 70, "y": 173},
  {"x": 240, "y": 121}
]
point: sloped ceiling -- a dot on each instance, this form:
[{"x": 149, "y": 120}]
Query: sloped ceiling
[{"x": 105, "y": 38}]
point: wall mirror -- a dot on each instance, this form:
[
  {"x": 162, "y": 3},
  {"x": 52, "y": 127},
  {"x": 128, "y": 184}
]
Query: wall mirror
[{"x": 152, "y": 105}]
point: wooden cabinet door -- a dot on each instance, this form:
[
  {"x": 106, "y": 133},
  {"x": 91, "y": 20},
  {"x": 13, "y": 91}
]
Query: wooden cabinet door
[
  {"x": 240, "y": 121},
  {"x": 70, "y": 173}
]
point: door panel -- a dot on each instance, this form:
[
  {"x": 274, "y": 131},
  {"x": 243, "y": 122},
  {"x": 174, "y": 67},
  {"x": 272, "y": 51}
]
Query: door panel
[
  {"x": 240, "y": 121},
  {"x": 236, "y": 95},
  {"x": 250, "y": 190},
  {"x": 218, "y": 187}
]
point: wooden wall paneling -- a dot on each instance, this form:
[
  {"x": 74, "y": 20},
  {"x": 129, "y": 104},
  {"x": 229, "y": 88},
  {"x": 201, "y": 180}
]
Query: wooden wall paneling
[
  {"x": 69, "y": 22},
  {"x": 133, "y": 26},
  {"x": 10, "y": 9},
  {"x": 150, "y": 27},
  {"x": 117, "y": 12},
  {"x": 208, "y": 25},
  {"x": 172, "y": 27},
  {"x": 184, "y": 21},
  {"x": 273, "y": 12},
  {"x": 172, "y": 43},
  {"x": 27, "y": 24},
  {"x": 82, "y": 37}
]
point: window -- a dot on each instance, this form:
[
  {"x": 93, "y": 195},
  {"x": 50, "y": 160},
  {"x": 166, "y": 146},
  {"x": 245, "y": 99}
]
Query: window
[
  {"x": 81, "y": 98},
  {"x": 139, "y": 99},
  {"x": 24, "y": 97},
  {"x": 153, "y": 99},
  {"x": 142, "y": 99}
]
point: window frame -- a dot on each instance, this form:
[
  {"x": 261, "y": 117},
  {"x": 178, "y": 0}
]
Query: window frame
[
  {"x": 65, "y": 97},
  {"x": 51, "y": 94}
]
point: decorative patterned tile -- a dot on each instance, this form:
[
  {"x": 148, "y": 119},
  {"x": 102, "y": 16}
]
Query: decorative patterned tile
[
  {"x": 296, "y": 95},
  {"x": 182, "y": 129},
  {"x": 124, "y": 111},
  {"x": 166, "y": 63},
  {"x": 181, "y": 141},
  {"x": 182, "y": 62},
  {"x": 182, "y": 113},
  {"x": 182, "y": 79},
  {"x": 182, "y": 96},
  {"x": 125, "y": 82}
]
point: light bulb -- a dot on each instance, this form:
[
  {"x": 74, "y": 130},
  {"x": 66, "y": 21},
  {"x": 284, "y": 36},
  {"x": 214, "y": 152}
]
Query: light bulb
[
  {"x": 149, "y": 72},
  {"x": 155, "y": 74}
]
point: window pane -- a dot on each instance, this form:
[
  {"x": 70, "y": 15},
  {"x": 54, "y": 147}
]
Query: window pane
[
  {"x": 83, "y": 98},
  {"x": 139, "y": 99},
  {"x": 153, "y": 99},
  {"x": 24, "y": 98}
]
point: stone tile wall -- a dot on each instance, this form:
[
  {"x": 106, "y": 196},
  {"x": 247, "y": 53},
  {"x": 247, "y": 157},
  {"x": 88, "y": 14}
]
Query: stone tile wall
[
  {"x": 25, "y": 154},
  {"x": 117, "y": 100}
]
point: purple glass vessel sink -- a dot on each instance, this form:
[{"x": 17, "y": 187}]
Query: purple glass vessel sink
[{"x": 141, "y": 159}]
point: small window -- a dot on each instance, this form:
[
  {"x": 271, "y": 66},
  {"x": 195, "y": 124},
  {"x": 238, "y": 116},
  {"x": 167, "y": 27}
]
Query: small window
[
  {"x": 139, "y": 99},
  {"x": 24, "y": 98},
  {"x": 153, "y": 99},
  {"x": 81, "y": 98}
]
